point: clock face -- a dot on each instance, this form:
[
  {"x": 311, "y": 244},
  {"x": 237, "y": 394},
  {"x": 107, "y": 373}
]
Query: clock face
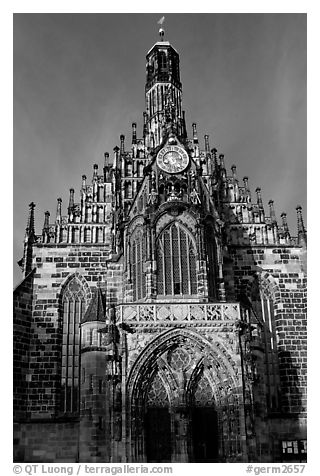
[{"x": 172, "y": 159}]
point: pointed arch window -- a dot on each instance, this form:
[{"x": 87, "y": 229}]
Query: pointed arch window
[
  {"x": 263, "y": 306},
  {"x": 73, "y": 304},
  {"x": 137, "y": 256},
  {"x": 176, "y": 262}
]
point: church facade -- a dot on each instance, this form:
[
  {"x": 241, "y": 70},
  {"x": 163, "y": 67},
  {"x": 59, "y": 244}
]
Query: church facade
[{"x": 163, "y": 318}]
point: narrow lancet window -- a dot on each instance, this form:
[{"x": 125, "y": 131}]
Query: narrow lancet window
[
  {"x": 137, "y": 259},
  {"x": 73, "y": 301}
]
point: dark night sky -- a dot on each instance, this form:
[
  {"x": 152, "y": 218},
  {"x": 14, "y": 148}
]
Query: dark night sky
[{"x": 79, "y": 83}]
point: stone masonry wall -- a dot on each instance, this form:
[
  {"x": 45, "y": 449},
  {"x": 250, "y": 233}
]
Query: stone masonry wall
[
  {"x": 47, "y": 442},
  {"x": 281, "y": 272},
  {"x": 55, "y": 263},
  {"x": 22, "y": 302}
]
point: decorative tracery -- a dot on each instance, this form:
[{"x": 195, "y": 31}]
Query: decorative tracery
[
  {"x": 176, "y": 262},
  {"x": 157, "y": 395},
  {"x": 203, "y": 394}
]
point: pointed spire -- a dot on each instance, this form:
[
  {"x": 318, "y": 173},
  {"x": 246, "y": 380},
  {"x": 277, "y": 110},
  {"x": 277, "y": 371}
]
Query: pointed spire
[
  {"x": 272, "y": 212},
  {"x": 285, "y": 225},
  {"x": 260, "y": 204},
  {"x": 116, "y": 155},
  {"x": 71, "y": 198},
  {"x": 134, "y": 133},
  {"x": 259, "y": 198},
  {"x": 97, "y": 307},
  {"x": 246, "y": 183},
  {"x": 84, "y": 178},
  {"x": 302, "y": 232},
  {"x": 234, "y": 172},
  {"x": 106, "y": 166},
  {"x": 206, "y": 144},
  {"x": 46, "y": 220},
  {"x": 221, "y": 158},
  {"x": 30, "y": 222},
  {"x": 161, "y": 30},
  {"x": 26, "y": 262},
  {"x": 45, "y": 228},
  {"x": 58, "y": 217},
  {"x": 95, "y": 172},
  {"x": 122, "y": 144},
  {"x": 194, "y": 133}
]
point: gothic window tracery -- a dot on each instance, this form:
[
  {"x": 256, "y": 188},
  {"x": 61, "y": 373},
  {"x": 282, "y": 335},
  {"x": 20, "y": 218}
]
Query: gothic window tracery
[
  {"x": 137, "y": 253},
  {"x": 73, "y": 303},
  {"x": 263, "y": 306},
  {"x": 157, "y": 395},
  {"x": 176, "y": 262},
  {"x": 203, "y": 395}
]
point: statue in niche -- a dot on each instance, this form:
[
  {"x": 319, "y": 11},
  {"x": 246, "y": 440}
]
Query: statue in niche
[{"x": 153, "y": 197}]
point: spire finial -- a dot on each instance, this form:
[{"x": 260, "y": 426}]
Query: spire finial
[
  {"x": 161, "y": 30},
  {"x": 302, "y": 233},
  {"x": 26, "y": 262},
  {"x": 30, "y": 222},
  {"x": 259, "y": 198},
  {"x": 285, "y": 225},
  {"x": 58, "y": 217},
  {"x": 272, "y": 212}
]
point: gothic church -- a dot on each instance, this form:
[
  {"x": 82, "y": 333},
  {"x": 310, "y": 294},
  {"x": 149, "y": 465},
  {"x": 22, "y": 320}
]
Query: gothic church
[{"x": 163, "y": 318}]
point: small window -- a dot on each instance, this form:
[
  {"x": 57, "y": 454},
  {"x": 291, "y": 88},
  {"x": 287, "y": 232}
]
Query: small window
[
  {"x": 177, "y": 289},
  {"x": 162, "y": 60},
  {"x": 294, "y": 449}
]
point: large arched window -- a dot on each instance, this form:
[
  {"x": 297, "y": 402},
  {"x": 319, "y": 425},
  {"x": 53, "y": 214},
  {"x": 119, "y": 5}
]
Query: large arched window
[
  {"x": 176, "y": 262},
  {"x": 137, "y": 254},
  {"x": 73, "y": 302},
  {"x": 262, "y": 299}
]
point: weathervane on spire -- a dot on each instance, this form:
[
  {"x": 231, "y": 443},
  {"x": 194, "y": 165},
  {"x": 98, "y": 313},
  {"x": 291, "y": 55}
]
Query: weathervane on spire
[{"x": 161, "y": 30}]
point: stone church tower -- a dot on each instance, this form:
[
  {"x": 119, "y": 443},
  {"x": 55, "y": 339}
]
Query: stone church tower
[{"x": 163, "y": 318}]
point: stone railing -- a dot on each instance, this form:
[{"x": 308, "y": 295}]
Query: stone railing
[{"x": 178, "y": 312}]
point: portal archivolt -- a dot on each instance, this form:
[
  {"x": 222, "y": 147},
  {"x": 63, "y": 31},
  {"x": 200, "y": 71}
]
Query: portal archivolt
[{"x": 176, "y": 392}]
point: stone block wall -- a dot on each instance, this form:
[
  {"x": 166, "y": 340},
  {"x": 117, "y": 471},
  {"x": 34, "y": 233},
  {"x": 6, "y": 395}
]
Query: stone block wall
[
  {"x": 93, "y": 436},
  {"x": 280, "y": 273},
  {"x": 54, "y": 265},
  {"x": 38, "y": 339},
  {"x": 46, "y": 442},
  {"x": 22, "y": 302}
]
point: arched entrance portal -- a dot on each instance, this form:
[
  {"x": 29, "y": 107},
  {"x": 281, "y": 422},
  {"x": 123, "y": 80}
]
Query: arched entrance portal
[
  {"x": 204, "y": 422},
  {"x": 178, "y": 390},
  {"x": 157, "y": 422}
]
